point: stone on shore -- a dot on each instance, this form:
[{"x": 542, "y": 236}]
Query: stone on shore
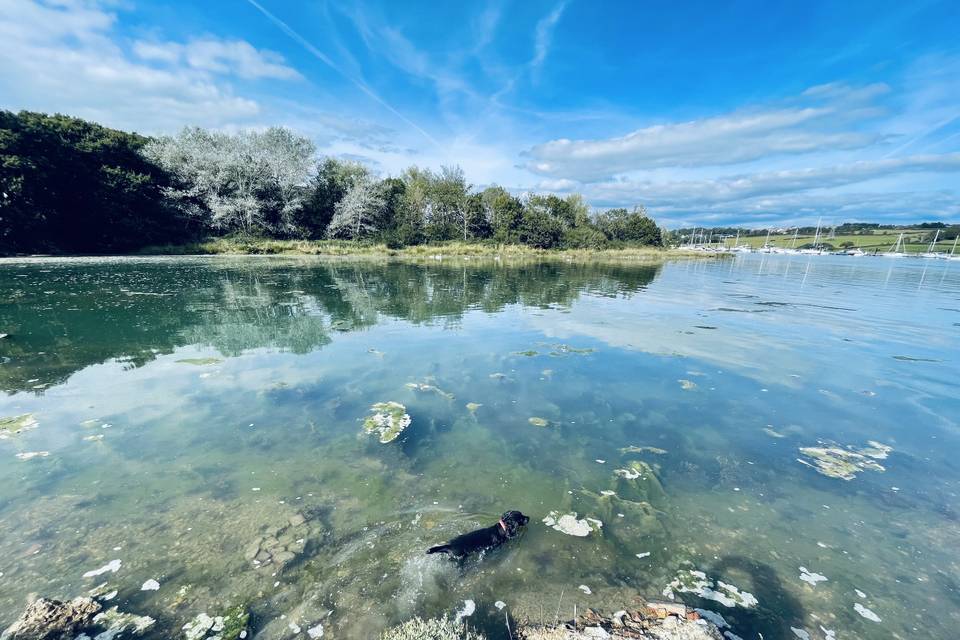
[{"x": 655, "y": 621}]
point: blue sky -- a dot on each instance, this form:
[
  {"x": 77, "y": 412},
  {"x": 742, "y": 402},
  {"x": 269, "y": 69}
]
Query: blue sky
[{"x": 754, "y": 113}]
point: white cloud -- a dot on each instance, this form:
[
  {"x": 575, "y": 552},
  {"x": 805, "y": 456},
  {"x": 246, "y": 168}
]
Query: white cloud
[
  {"x": 736, "y": 137},
  {"x": 737, "y": 188},
  {"x": 805, "y": 208},
  {"x": 64, "y": 56},
  {"x": 228, "y": 57}
]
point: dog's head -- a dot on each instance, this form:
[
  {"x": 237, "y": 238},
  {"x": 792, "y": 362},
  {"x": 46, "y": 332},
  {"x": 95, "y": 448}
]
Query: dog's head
[{"x": 512, "y": 521}]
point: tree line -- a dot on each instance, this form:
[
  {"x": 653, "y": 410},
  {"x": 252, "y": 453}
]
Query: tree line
[{"x": 73, "y": 186}]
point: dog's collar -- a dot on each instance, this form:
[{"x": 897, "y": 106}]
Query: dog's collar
[{"x": 503, "y": 525}]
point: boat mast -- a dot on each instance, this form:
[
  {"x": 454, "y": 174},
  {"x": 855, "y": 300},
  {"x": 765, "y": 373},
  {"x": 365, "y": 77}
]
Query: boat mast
[
  {"x": 933, "y": 244},
  {"x": 955, "y": 238}
]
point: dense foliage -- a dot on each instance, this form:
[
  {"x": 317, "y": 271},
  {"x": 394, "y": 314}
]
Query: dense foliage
[
  {"x": 71, "y": 186},
  {"x": 74, "y": 186}
]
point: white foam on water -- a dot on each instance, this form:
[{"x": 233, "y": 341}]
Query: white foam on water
[{"x": 113, "y": 566}]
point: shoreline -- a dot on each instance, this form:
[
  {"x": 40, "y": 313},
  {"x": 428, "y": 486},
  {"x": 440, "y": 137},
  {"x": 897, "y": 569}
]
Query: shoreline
[{"x": 332, "y": 249}]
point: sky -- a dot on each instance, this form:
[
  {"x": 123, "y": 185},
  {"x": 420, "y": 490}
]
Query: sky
[{"x": 707, "y": 113}]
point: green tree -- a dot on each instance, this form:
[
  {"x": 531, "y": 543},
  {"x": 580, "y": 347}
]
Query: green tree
[
  {"x": 504, "y": 212},
  {"x": 329, "y": 185},
  {"x": 68, "y": 185},
  {"x": 636, "y": 227},
  {"x": 540, "y": 229}
]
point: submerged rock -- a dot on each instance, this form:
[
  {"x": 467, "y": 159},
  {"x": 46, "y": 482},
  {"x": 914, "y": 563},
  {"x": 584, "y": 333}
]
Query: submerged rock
[
  {"x": 388, "y": 421},
  {"x": 80, "y": 618},
  {"x": 687, "y": 385},
  {"x": 14, "y": 425},
  {"x": 845, "y": 464},
  {"x": 431, "y": 629},
  {"x": 538, "y": 422},
  {"x": 656, "y": 621},
  {"x": 697, "y": 582},
  {"x": 569, "y": 524},
  {"x": 280, "y": 547},
  {"x": 52, "y": 620}
]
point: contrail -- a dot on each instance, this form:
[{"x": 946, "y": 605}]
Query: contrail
[
  {"x": 320, "y": 55},
  {"x": 924, "y": 134}
]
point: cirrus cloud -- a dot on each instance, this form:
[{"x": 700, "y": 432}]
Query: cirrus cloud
[{"x": 737, "y": 137}]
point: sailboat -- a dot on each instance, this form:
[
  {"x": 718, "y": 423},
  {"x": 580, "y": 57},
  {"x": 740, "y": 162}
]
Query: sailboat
[
  {"x": 817, "y": 249},
  {"x": 954, "y": 250},
  {"x": 766, "y": 245},
  {"x": 739, "y": 248},
  {"x": 896, "y": 251},
  {"x": 931, "y": 250},
  {"x": 793, "y": 244}
]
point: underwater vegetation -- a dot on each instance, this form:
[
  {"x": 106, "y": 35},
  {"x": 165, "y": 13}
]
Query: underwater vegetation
[
  {"x": 388, "y": 421},
  {"x": 845, "y": 464}
]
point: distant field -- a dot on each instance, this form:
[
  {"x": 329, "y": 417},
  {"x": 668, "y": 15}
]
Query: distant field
[{"x": 880, "y": 240}]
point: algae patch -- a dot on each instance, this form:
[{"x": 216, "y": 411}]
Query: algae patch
[
  {"x": 697, "y": 582},
  {"x": 425, "y": 387},
  {"x": 200, "y": 362},
  {"x": 632, "y": 449},
  {"x": 845, "y": 464},
  {"x": 569, "y": 524},
  {"x": 866, "y": 613},
  {"x": 811, "y": 577},
  {"x": 14, "y": 425},
  {"x": 30, "y": 455},
  {"x": 389, "y": 419}
]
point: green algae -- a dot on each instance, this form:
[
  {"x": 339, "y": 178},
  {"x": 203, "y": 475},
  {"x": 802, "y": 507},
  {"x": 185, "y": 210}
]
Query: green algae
[
  {"x": 200, "y": 362},
  {"x": 424, "y": 387},
  {"x": 235, "y": 622},
  {"x": 538, "y": 422},
  {"x": 697, "y": 582},
  {"x": 565, "y": 349},
  {"x": 388, "y": 421},
  {"x": 569, "y": 524},
  {"x": 528, "y": 353},
  {"x": 632, "y": 449},
  {"x": 14, "y": 425},
  {"x": 845, "y": 464}
]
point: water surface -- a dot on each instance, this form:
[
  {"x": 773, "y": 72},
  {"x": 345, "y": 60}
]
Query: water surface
[{"x": 195, "y": 409}]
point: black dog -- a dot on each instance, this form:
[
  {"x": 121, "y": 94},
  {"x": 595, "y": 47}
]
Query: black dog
[{"x": 487, "y": 538}]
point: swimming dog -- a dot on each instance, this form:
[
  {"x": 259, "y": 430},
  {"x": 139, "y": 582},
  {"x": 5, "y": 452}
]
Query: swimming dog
[{"x": 509, "y": 526}]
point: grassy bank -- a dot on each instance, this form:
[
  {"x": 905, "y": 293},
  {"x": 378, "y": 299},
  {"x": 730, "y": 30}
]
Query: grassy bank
[
  {"x": 879, "y": 240},
  {"x": 237, "y": 246}
]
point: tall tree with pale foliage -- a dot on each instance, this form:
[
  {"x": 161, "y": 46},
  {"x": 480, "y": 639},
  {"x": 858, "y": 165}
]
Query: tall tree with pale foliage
[
  {"x": 359, "y": 213},
  {"x": 251, "y": 181}
]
